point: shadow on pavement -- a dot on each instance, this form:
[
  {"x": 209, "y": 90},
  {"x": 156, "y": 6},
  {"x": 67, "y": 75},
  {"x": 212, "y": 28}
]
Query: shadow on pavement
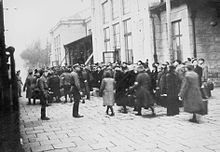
[{"x": 9, "y": 132}]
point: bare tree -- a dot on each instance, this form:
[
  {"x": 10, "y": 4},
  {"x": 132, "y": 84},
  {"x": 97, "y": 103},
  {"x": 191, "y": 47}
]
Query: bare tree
[{"x": 35, "y": 56}]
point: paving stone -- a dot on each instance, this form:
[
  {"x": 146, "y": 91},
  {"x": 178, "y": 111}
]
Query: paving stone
[
  {"x": 58, "y": 150},
  {"x": 64, "y": 145},
  {"x": 41, "y": 148},
  {"x": 97, "y": 132}
]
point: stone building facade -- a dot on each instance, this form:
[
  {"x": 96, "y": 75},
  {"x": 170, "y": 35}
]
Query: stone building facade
[
  {"x": 195, "y": 32},
  {"x": 121, "y": 30}
]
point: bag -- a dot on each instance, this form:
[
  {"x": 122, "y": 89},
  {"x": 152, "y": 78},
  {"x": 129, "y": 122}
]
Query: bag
[
  {"x": 204, "y": 110},
  {"x": 210, "y": 85}
]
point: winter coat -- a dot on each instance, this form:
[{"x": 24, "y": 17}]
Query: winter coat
[
  {"x": 107, "y": 89},
  {"x": 43, "y": 86},
  {"x": 120, "y": 96},
  {"x": 54, "y": 84},
  {"x": 143, "y": 86},
  {"x": 66, "y": 79},
  {"x": 173, "y": 83},
  {"x": 190, "y": 92},
  {"x": 29, "y": 85},
  {"x": 198, "y": 70}
]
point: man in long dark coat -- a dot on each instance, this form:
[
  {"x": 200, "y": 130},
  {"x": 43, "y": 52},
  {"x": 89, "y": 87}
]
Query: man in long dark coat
[
  {"x": 173, "y": 83},
  {"x": 120, "y": 96},
  {"x": 142, "y": 87},
  {"x": 54, "y": 85}
]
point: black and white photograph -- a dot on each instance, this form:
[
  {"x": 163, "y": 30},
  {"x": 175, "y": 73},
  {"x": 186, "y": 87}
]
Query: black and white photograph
[{"x": 109, "y": 75}]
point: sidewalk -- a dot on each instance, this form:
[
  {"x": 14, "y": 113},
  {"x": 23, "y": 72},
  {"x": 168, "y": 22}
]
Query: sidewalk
[
  {"x": 97, "y": 132},
  {"x": 9, "y": 132}
]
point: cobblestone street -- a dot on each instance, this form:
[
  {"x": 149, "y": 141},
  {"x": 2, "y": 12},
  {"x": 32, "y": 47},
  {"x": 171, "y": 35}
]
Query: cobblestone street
[{"x": 99, "y": 132}]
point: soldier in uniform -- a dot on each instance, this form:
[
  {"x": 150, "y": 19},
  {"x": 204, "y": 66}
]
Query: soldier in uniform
[
  {"x": 43, "y": 87},
  {"x": 76, "y": 91}
]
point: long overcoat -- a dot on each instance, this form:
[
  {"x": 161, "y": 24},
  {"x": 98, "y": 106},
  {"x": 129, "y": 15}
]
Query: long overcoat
[
  {"x": 120, "y": 96},
  {"x": 190, "y": 92},
  {"x": 143, "y": 95},
  {"x": 107, "y": 89},
  {"x": 173, "y": 83},
  {"x": 29, "y": 85}
]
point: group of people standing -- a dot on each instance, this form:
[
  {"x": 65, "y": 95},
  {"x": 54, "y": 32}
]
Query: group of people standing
[
  {"x": 46, "y": 86},
  {"x": 170, "y": 84}
]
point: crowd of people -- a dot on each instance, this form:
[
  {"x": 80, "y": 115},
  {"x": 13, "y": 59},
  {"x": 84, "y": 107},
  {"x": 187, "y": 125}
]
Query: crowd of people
[{"x": 170, "y": 85}]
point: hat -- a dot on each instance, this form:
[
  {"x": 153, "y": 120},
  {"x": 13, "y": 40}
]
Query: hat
[
  {"x": 75, "y": 65},
  {"x": 140, "y": 68}
]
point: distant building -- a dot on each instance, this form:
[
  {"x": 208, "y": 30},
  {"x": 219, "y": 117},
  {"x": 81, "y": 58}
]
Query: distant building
[
  {"x": 121, "y": 30},
  {"x": 195, "y": 31},
  {"x": 66, "y": 31}
]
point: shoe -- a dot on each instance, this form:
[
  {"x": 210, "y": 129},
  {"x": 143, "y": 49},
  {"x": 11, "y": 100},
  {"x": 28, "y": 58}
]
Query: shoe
[
  {"x": 138, "y": 114},
  {"x": 45, "y": 118},
  {"x": 83, "y": 101},
  {"x": 48, "y": 105},
  {"x": 78, "y": 116},
  {"x": 193, "y": 120},
  {"x": 153, "y": 114},
  {"x": 112, "y": 114}
]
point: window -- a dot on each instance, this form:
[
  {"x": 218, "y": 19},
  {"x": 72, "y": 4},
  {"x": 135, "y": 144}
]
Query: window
[
  {"x": 57, "y": 48},
  {"x": 128, "y": 41},
  {"x": 107, "y": 39},
  {"x": 106, "y": 12},
  {"x": 177, "y": 37},
  {"x": 115, "y": 9},
  {"x": 116, "y": 35},
  {"x": 109, "y": 57},
  {"x": 126, "y": 6}
]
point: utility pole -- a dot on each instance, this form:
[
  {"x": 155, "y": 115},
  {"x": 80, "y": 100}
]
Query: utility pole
[{"x": 169, "y": 30}]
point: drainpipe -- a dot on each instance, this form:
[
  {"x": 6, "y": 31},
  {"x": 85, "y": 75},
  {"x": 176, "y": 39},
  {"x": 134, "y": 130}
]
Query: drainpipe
[
  {"x": 154, "y": 39},
  {"x": 169, "y": 30},
  {"x": 193, "y": 17}
]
